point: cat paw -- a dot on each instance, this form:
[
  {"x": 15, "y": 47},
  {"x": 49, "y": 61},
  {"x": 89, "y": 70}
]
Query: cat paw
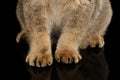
[
  {"x": 99, "y": 41},
  {"x": 39, "y": 60},
  {"x": 67, "y": 56}
]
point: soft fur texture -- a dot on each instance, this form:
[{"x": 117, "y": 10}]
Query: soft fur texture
[{"x": 71, "y": 24}]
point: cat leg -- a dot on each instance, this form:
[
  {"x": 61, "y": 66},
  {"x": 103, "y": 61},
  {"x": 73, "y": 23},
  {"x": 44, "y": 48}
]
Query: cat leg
[
  {"x": 40, "y": 50},
  {"x": 67, "y": 47},
  {"x": 67, "y": 50},
  {"x": 39, "y": 54}
]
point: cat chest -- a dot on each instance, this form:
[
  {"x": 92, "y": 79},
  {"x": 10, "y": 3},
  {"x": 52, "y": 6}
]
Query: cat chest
[{"x": 58, "y": 12}]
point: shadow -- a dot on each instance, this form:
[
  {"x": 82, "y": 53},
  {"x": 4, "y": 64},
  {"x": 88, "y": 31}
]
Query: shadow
[{"x": 93, "y": 66}]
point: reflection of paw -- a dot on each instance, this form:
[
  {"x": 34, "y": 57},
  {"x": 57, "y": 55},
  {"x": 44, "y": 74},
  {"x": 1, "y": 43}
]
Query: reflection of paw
[
  {"x": 67, "y": 56},
  {"x": 40, "y": 60},
  {"x": 99, "y": 41}
]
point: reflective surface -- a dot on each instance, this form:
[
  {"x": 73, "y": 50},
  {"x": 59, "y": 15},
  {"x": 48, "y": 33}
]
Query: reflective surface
[{"x": 93, "y": 66}]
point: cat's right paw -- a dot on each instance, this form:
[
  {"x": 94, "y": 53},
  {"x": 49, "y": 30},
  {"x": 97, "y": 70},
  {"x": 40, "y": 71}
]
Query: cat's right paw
[{"x": 39, "y": 60}]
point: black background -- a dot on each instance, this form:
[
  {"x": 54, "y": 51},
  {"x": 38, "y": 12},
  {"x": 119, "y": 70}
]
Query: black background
[{"x": 14, "y": 66}]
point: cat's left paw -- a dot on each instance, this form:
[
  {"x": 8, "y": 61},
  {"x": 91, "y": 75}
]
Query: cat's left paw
[{"x": 67, "y": 56}]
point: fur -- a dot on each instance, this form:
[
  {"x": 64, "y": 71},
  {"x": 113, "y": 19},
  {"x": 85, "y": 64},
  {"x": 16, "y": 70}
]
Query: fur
[{"x": 70, "y": 24}]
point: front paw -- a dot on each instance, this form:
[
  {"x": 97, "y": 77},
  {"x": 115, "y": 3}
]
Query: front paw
[
  {"x": 39, "y": 60},
  {"x": 67, "y": 56}
]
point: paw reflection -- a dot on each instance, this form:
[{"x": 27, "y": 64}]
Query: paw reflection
[{"x": 40, "y": 74}]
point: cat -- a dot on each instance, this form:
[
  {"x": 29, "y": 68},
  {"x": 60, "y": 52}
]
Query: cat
[{"x": 70, "y": 24}]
